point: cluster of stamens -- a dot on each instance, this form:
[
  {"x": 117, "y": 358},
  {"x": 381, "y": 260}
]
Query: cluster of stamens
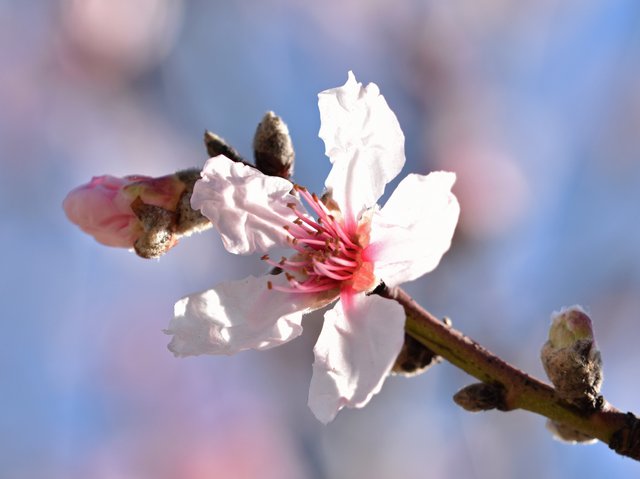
[{"x": 327, "y": 255}]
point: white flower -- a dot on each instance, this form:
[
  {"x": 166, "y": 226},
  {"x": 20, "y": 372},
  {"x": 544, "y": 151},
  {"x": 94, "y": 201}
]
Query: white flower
[{"x": 341, "y": 251}]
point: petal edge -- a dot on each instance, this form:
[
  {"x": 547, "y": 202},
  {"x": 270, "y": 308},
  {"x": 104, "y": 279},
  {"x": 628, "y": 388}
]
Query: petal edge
[
  {"x": 247, "y": 207},
  {"x": 238, "y": 315},
  {"x": 359, "y": 342},
  {"x": 364, "y": 142},
  {"x": 408, "y": 241}
]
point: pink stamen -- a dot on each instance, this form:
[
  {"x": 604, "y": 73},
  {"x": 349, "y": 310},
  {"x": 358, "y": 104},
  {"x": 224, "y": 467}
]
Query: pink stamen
[
  {"x": 344, "y": 251},
  {"x": 342, "y": 233},
  {"x": 286, "y": 263},
  {"x": 296, "y": 230},
  {"x": 314, "y": 202},
  {"x": 293, "y": 242},
  {"x": 332, "y": 267},
  {"x": 337, "y": 277},
  {"x": 328, "y": 257},
  {"x": 282, "y": 265},
  {"x": 343, "y": 261},
  {"x": 313, "y": 242},
  {"x": 297, "y": 289},
  {"x": 320, "y": 269},
  {"x": 308, "y": 221}
]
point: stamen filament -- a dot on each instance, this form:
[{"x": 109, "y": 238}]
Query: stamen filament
[
  {"x": 327, "y": 255},
  {"x": 343, "y": 261},
  {"x": 311, "y": 223},
  {"x": 321, "y": 270},
  {"x": 312, "y": 241},
  {"x": 332, "y": 267}
]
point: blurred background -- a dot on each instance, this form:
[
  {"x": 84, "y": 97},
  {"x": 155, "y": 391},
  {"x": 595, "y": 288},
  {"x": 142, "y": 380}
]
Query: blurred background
[{"x": 536, "y": 106}]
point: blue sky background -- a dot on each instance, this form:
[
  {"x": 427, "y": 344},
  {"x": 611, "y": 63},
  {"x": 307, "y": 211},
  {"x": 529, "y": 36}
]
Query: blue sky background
[{"x": 534, "y": 104}]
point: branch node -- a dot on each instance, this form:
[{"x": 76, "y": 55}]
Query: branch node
[{"x": 626, "y": 441}]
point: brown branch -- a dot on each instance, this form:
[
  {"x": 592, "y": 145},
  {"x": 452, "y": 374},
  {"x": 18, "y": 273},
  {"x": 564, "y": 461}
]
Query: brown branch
[{"x": 620, "y": 431}]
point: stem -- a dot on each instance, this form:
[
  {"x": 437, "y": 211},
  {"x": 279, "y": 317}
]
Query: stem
[{"x": 620, "y": 431}]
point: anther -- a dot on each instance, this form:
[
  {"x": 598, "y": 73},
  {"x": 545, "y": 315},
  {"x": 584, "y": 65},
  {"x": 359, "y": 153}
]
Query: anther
[
  {"x": 269, "y": 285},
  {"x": 264, "y": 257}
]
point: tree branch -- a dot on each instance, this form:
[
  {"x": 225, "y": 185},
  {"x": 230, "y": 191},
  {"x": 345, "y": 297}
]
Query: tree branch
[{"x": 620, "y": 431}]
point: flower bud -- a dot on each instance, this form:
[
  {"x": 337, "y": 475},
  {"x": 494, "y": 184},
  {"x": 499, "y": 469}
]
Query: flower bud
[
  {"x": 568, "y": 326},
  {"x": 137, "y": 212},
  {"x": 272, "y": 147},
  {"x": 571, "y": 359},
  {"x": 481, "y": 397},
  {"x": 414, "y": 358},
  {"x": 564, "y": 433},
  {"x": 216, "y": 145}
]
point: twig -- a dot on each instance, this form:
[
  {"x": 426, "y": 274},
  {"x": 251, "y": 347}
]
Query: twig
[{"x": 620, "y": 431}]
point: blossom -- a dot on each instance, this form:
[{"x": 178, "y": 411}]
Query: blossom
[
  {"x": 343, "y": 245},
  {"x": 102, "y": 207}
]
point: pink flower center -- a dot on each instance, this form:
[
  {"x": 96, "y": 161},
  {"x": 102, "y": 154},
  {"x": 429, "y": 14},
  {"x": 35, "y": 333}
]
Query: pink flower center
[{"x": 328, "y": 257}]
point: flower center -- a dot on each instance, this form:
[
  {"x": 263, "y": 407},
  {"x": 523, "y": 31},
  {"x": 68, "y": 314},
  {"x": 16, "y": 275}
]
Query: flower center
[{"x": 328, "y": 255}]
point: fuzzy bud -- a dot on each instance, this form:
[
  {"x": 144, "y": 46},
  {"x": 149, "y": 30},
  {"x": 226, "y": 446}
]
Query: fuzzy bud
[
  {"x": 571, "y": 359},
  {"x": 272, "y": 147},
  {"x": 481, "y": 397},
  {"x": 564, "y": 433},
  {"x": 216, "y": 145},
  {"x": 414, "y": 358}
]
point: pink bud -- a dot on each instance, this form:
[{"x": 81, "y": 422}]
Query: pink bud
[
  {"x": 102, "y": 207},
  {"x": 568, "y": 326}
]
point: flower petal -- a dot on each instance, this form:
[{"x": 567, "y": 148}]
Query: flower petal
[
  {"x": 413, "y": 230},
  {"x": 364, "y": 142},
  {"x": 247, "y": 207},
  {"x": 360, "y": 340},
  {"x": 239, "y": 315}
]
